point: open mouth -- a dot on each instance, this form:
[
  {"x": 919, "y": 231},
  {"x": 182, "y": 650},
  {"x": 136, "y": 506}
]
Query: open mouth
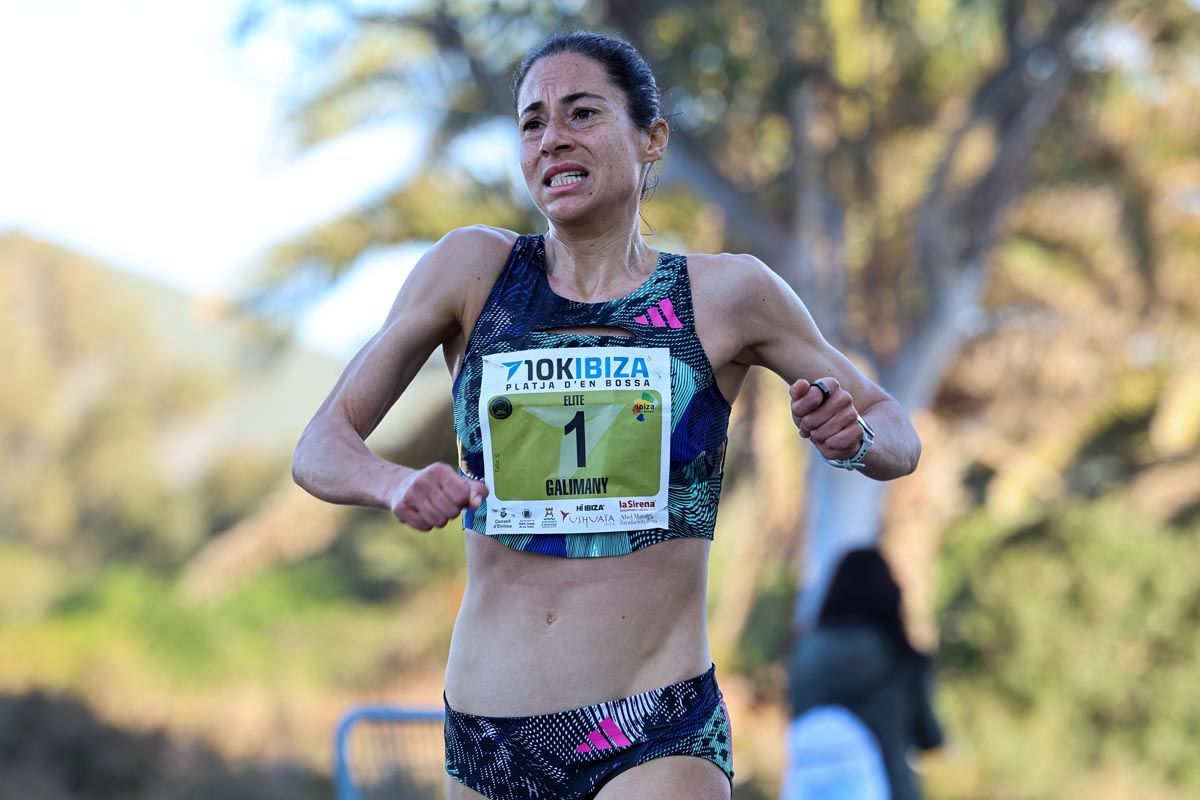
[{"x": 565, "y": 179}]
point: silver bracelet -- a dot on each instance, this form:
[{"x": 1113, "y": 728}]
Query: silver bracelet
[{"x": 855, "y": 462}]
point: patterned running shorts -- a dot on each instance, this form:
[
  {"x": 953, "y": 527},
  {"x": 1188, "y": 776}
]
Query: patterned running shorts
[{"x": 570, "y": 755}]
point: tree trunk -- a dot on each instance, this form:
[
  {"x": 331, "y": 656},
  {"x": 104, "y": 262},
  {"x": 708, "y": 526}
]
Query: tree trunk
[{"x": 843, "y": 512}]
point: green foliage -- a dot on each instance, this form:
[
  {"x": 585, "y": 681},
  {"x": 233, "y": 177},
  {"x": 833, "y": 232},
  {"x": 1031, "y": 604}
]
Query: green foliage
[
  {"x": 1069, "y": 651},
  {"x": 31, "y": 583},
  {"x": 766, "y": 635},
  {"x": 237, "y": 481},
  {"x": 383, "y": 560},
  {"x": 298, "y": 624},
  {"x": 127, "y": 602},
  {"x": 85, "y": 442}
]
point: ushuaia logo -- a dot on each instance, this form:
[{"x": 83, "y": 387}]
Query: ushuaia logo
[
  {"x": 548, "y": 369},
  {"x": 646, "y": 405}
]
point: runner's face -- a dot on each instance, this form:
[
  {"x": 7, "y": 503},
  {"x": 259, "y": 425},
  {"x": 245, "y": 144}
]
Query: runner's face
[{"x": 579, "y": 148}]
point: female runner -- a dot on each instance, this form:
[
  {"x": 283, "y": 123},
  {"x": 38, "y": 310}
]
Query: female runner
[{"x": 592, "y": 382}]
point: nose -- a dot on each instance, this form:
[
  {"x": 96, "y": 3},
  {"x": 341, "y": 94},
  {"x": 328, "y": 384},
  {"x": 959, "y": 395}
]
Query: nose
[{"x": 555, "y": 137}]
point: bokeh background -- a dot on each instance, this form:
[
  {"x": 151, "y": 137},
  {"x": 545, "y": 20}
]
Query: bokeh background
[{"x": 992, "y": 205}]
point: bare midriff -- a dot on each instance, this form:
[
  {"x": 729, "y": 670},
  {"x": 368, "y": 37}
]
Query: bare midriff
[{"x": 538, "y": 634}]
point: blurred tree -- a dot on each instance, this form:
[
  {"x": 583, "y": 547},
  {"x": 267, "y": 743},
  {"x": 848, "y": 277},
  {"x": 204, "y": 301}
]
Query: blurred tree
[
  {"x": 86, "y": 432},
  {"x": 991, "y": 204},
  {"x": 867, "y": 151}
]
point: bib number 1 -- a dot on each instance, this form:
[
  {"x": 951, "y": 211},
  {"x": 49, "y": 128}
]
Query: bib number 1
[
  {"x": 576, "y": 424},
  {"x": 576, "y": 440}
]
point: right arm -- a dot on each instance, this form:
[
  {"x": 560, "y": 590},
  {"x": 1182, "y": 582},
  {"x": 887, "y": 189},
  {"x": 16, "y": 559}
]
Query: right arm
[{"x": 332, "y": 461}]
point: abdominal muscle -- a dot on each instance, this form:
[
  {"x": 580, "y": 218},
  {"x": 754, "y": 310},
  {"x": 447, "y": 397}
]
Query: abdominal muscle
[{"x": 538, "y": 634}]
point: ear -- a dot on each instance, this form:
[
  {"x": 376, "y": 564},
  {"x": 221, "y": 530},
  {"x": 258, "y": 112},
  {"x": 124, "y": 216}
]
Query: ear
[{"x": 656, "y": 140}]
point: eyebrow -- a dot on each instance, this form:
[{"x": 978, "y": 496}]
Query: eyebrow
[{"x": 566, "y": 101}]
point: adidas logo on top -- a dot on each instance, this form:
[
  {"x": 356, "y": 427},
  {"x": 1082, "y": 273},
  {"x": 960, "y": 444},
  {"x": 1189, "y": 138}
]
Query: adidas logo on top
[{"x": 660, "y": 315}]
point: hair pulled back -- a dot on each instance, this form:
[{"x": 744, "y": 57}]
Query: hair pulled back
[
  {"x": 624, "y": 65},
  {"x": 863, "y": 590}
]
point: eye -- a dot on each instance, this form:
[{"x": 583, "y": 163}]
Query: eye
[
  {"x": 584, "y": 113},
  {"x": 531, "y": 124}
]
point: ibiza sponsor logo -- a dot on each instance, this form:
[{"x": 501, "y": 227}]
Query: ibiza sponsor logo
[
  {"x": 549, "y": 514},
  {"x": 526, "y": 513},
  {"x": 576, "y": 368},
  {"x": 590, "y": 507},
  {"x": 644, "y": 405},
  {"x": 648, "y": 519}
]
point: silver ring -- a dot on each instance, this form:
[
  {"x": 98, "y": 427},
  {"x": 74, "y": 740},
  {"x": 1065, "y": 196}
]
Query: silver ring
[{"x": 824, "y": 390}]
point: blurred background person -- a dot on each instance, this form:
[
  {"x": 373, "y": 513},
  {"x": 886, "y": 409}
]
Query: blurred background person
[{"x": 861, "y": 694}]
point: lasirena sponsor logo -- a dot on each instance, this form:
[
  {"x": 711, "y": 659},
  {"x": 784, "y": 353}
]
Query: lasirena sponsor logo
[{"x": 629, "y": 505}]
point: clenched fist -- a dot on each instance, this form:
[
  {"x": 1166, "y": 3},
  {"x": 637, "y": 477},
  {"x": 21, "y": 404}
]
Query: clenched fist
[
  {"x": 431, "y": 497},
  {"x": 828, "y": 418}
]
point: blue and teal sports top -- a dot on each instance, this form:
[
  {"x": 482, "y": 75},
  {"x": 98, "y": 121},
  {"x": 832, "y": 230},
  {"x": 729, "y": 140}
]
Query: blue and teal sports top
[{"x": 520, "y": 313}]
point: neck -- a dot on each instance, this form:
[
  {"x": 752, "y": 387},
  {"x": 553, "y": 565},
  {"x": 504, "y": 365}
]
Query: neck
[{"x": 593, "y": 263}]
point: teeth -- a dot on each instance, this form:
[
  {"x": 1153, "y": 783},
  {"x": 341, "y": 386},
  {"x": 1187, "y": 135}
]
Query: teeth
[{"x": 563, "y": 178}]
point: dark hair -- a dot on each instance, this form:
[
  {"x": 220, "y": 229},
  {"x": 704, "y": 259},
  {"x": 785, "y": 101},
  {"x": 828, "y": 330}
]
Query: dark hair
[
  {"x": 863, "y": 590},
  {"x": 625, "y": 66}
]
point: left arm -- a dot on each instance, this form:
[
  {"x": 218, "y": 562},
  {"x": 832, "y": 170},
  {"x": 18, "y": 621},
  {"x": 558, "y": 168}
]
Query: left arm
[{"x": 776, "y": 331}]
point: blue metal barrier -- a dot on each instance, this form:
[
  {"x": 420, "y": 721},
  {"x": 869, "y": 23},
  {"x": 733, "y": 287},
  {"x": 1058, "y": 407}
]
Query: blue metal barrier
[{"x": 389, "y": 751}]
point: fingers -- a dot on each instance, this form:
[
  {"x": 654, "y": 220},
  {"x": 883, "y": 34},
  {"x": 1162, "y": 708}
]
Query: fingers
[
  {"x": 844, "y": 443},
  {"x": 442, "y": 503},
  {"x": 478, "y": 492},
  {"x": 829, "y": 420},
  {"x": 433, "y": 496},
  {"x": 812, "y": 408}
]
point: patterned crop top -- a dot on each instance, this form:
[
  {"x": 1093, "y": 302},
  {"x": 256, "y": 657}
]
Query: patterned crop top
[{"x": 523, "y": 313}]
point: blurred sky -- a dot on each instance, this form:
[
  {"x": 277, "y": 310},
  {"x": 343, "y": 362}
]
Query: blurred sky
[{"x": 138, "y": 133}]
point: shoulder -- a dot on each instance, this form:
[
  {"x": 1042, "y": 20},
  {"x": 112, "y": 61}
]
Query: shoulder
[
  {"x": 481, "y": 239},
  {"x": 740, "y": 272},
  {"x": 458, "y": 263},
  {"x": 755, "y": 307},
  {"x": 737, "y": 283},
  {"x": 473, "y": 248},
  {"x": 450, "y": 275}
]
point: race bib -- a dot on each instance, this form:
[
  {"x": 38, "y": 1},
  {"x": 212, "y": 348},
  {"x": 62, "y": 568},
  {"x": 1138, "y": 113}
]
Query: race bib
[{"x": 576, "y": 439}]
